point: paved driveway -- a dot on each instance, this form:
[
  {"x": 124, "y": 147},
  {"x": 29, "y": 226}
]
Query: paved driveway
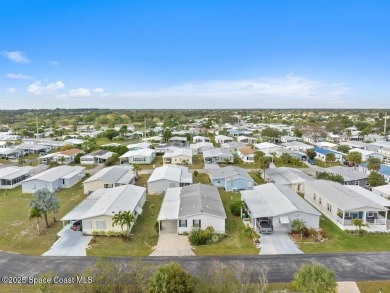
[
  {"x": 277, "y": 243},
  {"x": 71, "y": 243},
  {"x": 172, "y": 244},
  {"x": 211, "y": 166}
]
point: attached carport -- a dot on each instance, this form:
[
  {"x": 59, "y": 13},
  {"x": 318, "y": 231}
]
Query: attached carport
[{"x": 169, "y": 212}]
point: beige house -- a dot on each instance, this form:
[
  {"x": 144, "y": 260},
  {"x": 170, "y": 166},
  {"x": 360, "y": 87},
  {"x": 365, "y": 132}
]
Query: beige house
[
  {"x": 108, "y": 178},
  {"x": 97, "y": 211},
  {"x": 178, "y": 156}
]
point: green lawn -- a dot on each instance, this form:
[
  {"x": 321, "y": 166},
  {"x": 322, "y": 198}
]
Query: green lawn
[
  {"x": 237, "y": 242},
  {"x": 341, "y": 241},
  {"x": 143, "y": 237},
  {"x": 142, "y": 180},
  {"x": 279, "y": 163},
  {"x": 197, "y": 162},
  {"x": 18, "y": 233},
  {"x": 201, "y": 178},
  {"x": 374, "y": 286},
  {"x": 104, "y": 140},
  {"x": 5, "y": 162},
  {"x": 258, "y": 180}
]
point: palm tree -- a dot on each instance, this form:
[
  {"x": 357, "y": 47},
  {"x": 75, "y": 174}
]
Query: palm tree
[
  {"x": 36, "y": 214},
  {"x": 128, "y": 219},
  {"x": 373, "y": 164},
  {"x": 355, "y": 158},
  {"x": 257, "y": 156},
  {"x": 358, "y": 223},
  {"x": 61, "y": 159},
  {"x": 298, "y": 225},
  {"x": 330, "y": 158},
  {"x": 46, "y": 202},
  {"x": 117, "y": 219},
  {"x": 136, "y": 168},
  {"x": 264, "y": 164}
]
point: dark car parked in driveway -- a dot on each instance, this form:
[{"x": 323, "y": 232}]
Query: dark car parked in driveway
[
  {"x": 349, "y": 164},
  {"x": 76, "y": 226}
]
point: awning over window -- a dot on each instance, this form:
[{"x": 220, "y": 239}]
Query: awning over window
[{"x": 284, "y": 220}]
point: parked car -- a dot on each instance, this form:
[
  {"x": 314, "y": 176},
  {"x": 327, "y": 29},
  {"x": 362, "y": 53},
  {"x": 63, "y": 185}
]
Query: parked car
[
  {"x": 311, "y": 162},
  {"x": 42, "y": 153},
  {"x": 349, "y": 164},
  {"x": 76, "y": 226}
]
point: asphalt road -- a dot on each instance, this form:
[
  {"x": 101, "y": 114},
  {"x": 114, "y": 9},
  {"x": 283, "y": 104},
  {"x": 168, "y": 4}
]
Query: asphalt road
[{"x": 347, "y": 266}]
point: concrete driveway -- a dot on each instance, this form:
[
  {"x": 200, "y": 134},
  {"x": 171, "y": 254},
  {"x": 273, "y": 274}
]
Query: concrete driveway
[
  {"x": 70, "y": 243},
  {"x": 172, "y": 245},
  {"x": 211, "y": 166},
  {"x": 277, "y": 243}
]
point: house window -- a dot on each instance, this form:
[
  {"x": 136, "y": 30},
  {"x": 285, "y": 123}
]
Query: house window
[
  {"x": 314, "y": 196},
  {"x": 356, "y": 182},
  {"x": 219, "y": 181},
  {"x": 370, "y": 214},
  {"x": 87, "y": 224},
  {"x": 100, "y": 224},
  {"x": 329, "y": 207},
  {"x": 196, "y": 223},
  {"x": 108, "y": 185},
  {"x": 320, "y": 200},
  {"x": 182, "y": 223}
]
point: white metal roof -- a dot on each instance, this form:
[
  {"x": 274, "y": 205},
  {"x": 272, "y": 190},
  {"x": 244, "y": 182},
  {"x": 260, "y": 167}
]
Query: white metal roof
[
  {"x": 56, "y": 173},
  {"x": 172, "y": 173},
  {"x": 269, "y": 200},
  {"x": 217, "y": 152},
  {"x": 370, "y": 195},
  {"x": 287, "y": 176},
  {"x": 141, "y": 152},
  {"x": 229, "y": 172},
  {"x": 114, "y": 174},
  {"x": 344, "y": 198},
  {"x": 382, "y": 190},
  {"x": 170, "y": 206},
  {"x": 174, "y": 152},
  {"x": 347, "y": 173},
  {"x": 9, "y": 173}
]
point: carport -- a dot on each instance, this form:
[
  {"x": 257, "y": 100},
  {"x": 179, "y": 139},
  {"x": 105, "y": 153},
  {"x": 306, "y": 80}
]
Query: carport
[{"x": 169, "y": 212}]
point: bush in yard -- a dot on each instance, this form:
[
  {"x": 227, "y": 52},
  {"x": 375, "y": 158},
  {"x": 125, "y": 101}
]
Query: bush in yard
[
  {"x": 324, "y": 234},
  {"x": 171, "y": 278},
  {"x": 235, "y": 207},
  {"x": 305, "y": 232},
  {"x": 315, "y": 278},
  {"x": 201, "y": 237}
]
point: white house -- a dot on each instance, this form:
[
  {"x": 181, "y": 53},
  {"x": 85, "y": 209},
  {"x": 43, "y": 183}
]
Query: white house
[
  {"x": 108, "y": 178},
  {"x": 266, "y": 147},
  {"x": 279, "y": 205},
  {"x": 246, "y": 139},
  {"x": 287, "y": 138},
  {"x": 96, "y": 157},
  {"x": 200, "y": 147},
  {"x": 142, "y": 156},
  {"x": 138, "y": 146},
  {"x": 168, "y": 176},
  {"x": 12, "y": 176},
  {"x": 326, "y": 145},
  {"x": 198, "y": 139},
  {"x": 178, "y": 156},
  {"x": 64, "y": 157},
  {"x": 98, "y": 209},
  {"x": 246, "y": 154},
  {"x": 290, "y": 177},
  {"x": 223, "y": 139},
  {"x": 54, "y": 179},
  {"x": 297, "y": 146},
  {"x": 385, "y": 152},
  {"x": 191, "y": 207},
  {"x": 341, "y": 203},
  {"x": 217, "y": 155}
]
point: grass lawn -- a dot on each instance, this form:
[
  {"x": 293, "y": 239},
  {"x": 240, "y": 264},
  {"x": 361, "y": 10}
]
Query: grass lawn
[
  {"x": 142, "y": 180},
  {"x": 237, "y": 242},
  {"x": 247, "y": 165},
  {"x": 143, "y": 237},
  {"x": 158, "y": 161},
  {"x": 197, "y": 162},
  {"x": 341, "y": 241},
  {"x": 258, "y": 180},
  {"x": 279, "y": 163},
  {"x": 201, "y": 178},
  {"x": 18, "y": 233},
  {"x": 5, "y": 162},
  {"x": 374, "y": 286},
  {"x": 104, "y": 140}
]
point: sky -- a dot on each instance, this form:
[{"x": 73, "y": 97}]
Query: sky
[{"x": 194, "y": 54}]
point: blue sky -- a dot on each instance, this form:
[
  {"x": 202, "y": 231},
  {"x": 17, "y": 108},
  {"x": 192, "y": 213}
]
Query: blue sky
[{"x": 194, "y": 54}]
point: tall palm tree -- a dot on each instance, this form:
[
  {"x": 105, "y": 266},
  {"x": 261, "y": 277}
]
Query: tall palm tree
[
  {"x": 128, "y": 219},
  {"x": 117, "y": 219},
  {"x": 373, "y": 164},
  {"x": 136, "y": 168},
  {"x": 264, "y": 164},
  {"x": 355, "y": 158},
  {"x": 257, "y": 156},
  {"x": 36, "y": 214}
]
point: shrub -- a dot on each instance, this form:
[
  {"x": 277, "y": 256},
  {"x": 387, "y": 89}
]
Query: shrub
[
  {"x": 95, "y": 233},
  {"x": 171, "y": 278},
  {"x": 324, "y": 234},
  {"x": 201, "y": 237},
  {"x": 102, "y": 233},
  {"x": 235, "y": 207},
  {"x": 111, "y": 233},
  {"x": 312, "y": 232},
  {"x": 156, "y": 227},
  {"x": 305, "y": 232}
]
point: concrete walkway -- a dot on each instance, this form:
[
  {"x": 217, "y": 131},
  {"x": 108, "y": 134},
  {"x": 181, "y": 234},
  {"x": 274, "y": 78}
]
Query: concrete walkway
[
  {"x": 172, "y": 245},
  {"x": 277, "y": 243},
  {"x": 70, "y": 243},
  {"x": 347, "y": 287}
]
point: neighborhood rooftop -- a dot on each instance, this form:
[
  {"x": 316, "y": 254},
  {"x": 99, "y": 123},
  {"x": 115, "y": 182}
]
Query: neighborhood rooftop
[
  {"x": 347, "y": 173},
  {"x": 284, "y": 175},
  {"x": 115, "y": 174},
  {"x": 55, "y": 173},
  {"x": 173, "y": 173},
  {"x": 229, "y": 172}
]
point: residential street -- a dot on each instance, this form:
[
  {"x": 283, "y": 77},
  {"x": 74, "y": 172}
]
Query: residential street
[{"x": 348, "y": 266}]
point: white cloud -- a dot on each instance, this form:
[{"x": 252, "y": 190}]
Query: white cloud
[
  {"x": 287, "y": 91},
  {"x": 54, "y": 63},
  {"x": 11, "y": 90},
  {"x": 18, "y": 76},
  {"x": 80, "y": 93},
  {"x": 16, "y": 56},
  {"x": 98, "y": 90},
  {"x": 37, "y": 88}
]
